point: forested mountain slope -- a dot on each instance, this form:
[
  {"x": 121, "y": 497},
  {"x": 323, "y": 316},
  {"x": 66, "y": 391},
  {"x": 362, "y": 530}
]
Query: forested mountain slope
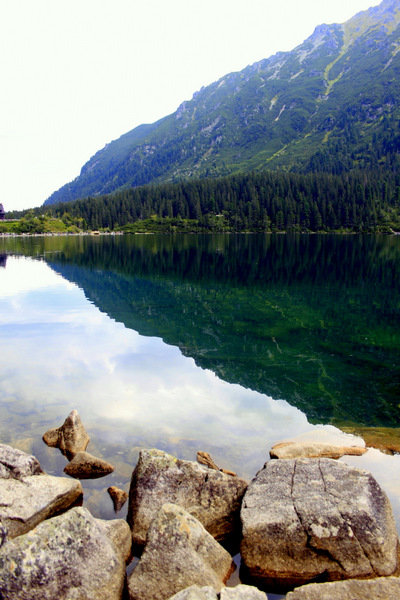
[{"x": 332, "y": 104}]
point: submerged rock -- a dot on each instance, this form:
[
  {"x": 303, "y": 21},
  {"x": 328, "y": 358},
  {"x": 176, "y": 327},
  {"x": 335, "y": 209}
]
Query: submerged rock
[
  {"x": 119, "y": 497},
  {"x": 179, "y": 553},
  {"x": 384, "y": 588},
  {"x": 27, "y": 495},
  {"x": 70, "y": 438},
  {"x": 313, "y": 450},
  {"x": 86, "y": 466},
  {"x": 214, "y": 498},
  {"x": 71, "y": 556},
  {"x": 315, "y": 518}
]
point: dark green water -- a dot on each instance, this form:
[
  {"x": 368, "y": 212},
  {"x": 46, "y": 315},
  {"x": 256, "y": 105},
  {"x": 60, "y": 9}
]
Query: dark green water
[{"x": 314, "y": 320}]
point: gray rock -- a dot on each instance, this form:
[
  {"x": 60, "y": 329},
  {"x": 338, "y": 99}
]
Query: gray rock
[
  {"x": 195, "y": 592},
  {"x": 86, "y": 466},
  {"x": 242, "y": 592},
  {"x": 70, "y": 438},
  {"x": 313, "y": 450},
  {"x": 67, "y": 557},
  {"x": 28, "y": 496},
  {"x": 384, "y": 588},
  {"x": 16, "y": 464},
  {"x": 179, "y": 553},
  {"x": 213, "y": 497},
  {"x": 315, "y": 518}
]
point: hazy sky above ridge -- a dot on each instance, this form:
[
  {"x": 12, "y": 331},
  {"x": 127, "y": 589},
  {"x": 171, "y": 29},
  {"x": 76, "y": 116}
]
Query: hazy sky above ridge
[{"x": 76, "y": 75}]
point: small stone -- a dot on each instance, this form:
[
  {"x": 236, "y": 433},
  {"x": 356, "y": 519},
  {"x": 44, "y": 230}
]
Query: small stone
[
  {"x": 119, "y": 497},
  {"x": 204, "y": 458},
  {"x": 70, "y": 438},
  {"x": 86, "y": 466}
]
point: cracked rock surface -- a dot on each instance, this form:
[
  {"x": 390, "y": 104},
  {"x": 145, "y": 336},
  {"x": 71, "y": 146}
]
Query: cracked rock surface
[
  {"x": 211, "y": 496},
  {"x": 316, "y": 519},
  {"x": 73, "y": 556}
]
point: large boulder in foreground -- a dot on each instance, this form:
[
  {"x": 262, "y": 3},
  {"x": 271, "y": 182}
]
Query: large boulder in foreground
[
  {"x": 27, "y": 495},
  {"x": 383, "y": 588},
  {"x": 211, "y": 496},
  {"x": 72, "y": 556},
  {"x": 179, "y": 553},
  {"x": 70, "y": 438},
  {"x": 311, "y": 519}
]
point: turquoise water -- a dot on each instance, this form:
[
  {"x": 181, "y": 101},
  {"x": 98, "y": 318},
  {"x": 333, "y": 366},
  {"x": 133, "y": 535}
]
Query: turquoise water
[{"x": 225, "y": 343}]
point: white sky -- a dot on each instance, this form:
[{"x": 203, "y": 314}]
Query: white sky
[{"x": 76, "y": 75}]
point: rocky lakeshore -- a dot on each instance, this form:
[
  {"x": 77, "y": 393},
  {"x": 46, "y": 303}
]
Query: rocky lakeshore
[{"x": 307, "y": 526}]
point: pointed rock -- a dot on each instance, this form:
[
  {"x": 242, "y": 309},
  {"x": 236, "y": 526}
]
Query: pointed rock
[
  {"x": 119, "y": 497},
  {"x": 179, "y": 553},
  {"x": 70, "y": 438},
  {"x": 86, "y": 466}
]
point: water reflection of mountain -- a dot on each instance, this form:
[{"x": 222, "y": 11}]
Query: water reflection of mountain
[{"x": 312, "y": 319}]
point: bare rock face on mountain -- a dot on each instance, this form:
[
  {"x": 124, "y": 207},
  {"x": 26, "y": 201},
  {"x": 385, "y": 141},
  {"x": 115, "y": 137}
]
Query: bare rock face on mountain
[
  {"x": 315, "y": 518},
  {"x": 179, "y": 553},
  {"x": 313, "y": 450},
  {"x": 70, "y": 438},
  {"x": 211, "y": 496},
  {"x": 27, "y": 495},
  {"x": 71, "y": 556},
  {"x": 383, "y": 588},
  {"x": 87, "y": 466}
]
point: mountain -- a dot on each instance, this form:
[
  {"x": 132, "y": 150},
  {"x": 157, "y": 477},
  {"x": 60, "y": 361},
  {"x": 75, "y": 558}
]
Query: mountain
[{"x": 332, "y": 104}]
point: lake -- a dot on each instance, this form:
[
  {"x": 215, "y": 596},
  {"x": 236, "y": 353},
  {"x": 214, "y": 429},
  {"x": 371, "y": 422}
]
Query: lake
[{"x": 221, "y": 343}]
